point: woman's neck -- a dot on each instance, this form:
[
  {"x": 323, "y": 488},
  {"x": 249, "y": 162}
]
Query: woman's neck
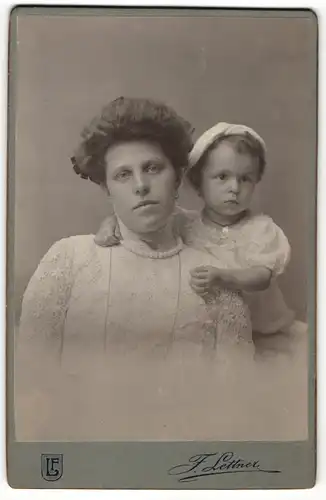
[
  {"x": 161, "y": 240},
  {"x": 210, "y": 216}
]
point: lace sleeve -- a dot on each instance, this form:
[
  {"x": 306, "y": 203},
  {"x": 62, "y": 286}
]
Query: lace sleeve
[
  {"x": 39, "y": 339},
  {"x": 47, "y": 294}
]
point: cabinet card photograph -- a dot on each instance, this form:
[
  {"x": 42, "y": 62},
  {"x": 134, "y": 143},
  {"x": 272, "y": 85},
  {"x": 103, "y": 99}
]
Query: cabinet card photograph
[{"x": 161, "y": 296}]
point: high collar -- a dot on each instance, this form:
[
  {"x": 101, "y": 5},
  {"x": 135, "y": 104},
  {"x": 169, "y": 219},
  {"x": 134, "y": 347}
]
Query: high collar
[{"x": 135, "y": 244}]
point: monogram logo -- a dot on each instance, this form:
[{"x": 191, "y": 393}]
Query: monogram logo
[{"x": 51, "y": 467}]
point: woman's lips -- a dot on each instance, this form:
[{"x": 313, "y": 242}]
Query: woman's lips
[
  {"x": 232, "y": 202},
  {"x": 145, "y": 203}
]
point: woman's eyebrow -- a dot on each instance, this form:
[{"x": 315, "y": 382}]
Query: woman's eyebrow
[{"x": 117, "y": 168}]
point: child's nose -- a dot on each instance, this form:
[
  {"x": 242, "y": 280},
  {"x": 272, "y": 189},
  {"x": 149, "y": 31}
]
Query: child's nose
[{"x": 234, "y": 186}]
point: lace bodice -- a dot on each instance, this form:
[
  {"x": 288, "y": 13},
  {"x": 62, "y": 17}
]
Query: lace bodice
[{"x": 99, "y": 295}]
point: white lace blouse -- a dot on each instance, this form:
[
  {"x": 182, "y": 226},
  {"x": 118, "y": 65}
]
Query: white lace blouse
[{"x": 109, "y": 331}]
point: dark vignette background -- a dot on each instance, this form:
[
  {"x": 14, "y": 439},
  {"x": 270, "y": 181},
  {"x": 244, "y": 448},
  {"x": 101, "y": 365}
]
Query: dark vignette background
[{"x": 254, "y": 70}]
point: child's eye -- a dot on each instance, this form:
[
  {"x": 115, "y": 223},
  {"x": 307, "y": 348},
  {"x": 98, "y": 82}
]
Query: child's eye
[
  {"x": 246, "y": 178},
  {"x": 222, "y": 177},
  {"x": 153, "y": 168}
]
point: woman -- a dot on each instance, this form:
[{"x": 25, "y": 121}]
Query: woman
[{"x": 113, "y": 343}]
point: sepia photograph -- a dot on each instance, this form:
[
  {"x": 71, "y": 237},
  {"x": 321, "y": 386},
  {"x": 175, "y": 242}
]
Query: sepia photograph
[{"x": 162, "y": 222}]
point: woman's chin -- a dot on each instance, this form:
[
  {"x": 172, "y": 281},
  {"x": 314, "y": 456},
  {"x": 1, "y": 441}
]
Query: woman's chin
[{"x": 148, "y": 225}]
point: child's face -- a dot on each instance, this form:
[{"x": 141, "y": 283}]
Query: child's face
[{"x": 228, "y": 180}]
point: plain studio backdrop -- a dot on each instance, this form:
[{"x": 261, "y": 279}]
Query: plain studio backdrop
[{"x": 259, "y": 71}]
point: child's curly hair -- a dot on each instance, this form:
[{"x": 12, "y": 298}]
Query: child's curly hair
[{"x": 128, "y": 119}]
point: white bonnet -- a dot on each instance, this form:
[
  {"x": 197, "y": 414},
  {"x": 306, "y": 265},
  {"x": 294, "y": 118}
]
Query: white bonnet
[{"x": 221, "y": 129}]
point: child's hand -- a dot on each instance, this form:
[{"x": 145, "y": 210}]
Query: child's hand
[
  {"x": 109, "y": 233},
  {"x": 203, "y": 279}
]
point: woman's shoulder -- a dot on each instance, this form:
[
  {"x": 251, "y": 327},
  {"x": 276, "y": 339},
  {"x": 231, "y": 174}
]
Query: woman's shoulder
[
  {"x": 72, "y": 248},
  {"x": 74, "y": 242},
  {"x": 81, "y": 240}
]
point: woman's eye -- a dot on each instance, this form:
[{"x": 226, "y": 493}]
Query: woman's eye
[
  {"x": 122, "y": 176},
  {"x": 245, "y": 178},
  {"x": 222, "y": 177}
]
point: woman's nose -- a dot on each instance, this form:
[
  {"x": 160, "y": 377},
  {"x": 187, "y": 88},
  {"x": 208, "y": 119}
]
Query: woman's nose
[{"x": 141, "y": 186}]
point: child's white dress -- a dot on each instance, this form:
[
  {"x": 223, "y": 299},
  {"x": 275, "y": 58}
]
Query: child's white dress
[{"x": 254, "y": 241}]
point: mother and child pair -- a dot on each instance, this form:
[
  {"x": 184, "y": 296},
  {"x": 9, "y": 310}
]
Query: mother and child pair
[
  {"x": 225, "y": 166},
  {"x": 113, "y": 342}
]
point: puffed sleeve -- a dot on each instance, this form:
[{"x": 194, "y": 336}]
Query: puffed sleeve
[
  {"x": 266, "y": 245},
  {"x": 39, "y": 338}
]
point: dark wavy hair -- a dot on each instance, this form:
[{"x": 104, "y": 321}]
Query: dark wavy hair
[
  {"x": 129, "y": 119},
  {"x": 242, "y": 143}
]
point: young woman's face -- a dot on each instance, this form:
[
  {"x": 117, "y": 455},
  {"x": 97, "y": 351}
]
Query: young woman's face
[
  {"x": 142, "y": 185},
  {"x": 228, "y": 180}
]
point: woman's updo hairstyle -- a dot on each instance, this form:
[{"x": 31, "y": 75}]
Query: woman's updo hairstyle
[{"x": 130, "y": 119}]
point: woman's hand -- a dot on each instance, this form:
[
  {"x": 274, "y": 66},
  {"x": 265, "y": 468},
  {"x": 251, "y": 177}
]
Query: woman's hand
[
  {"x": 109, "y": 233},
  {"x": 203, "y": 279}
]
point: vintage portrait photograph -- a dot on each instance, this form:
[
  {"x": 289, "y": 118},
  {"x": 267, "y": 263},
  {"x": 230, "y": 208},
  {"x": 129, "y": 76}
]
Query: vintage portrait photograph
[{"x": 163, "y": 193}]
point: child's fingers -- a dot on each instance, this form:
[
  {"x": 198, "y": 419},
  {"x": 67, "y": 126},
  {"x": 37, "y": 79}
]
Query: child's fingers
[
  {"x": 198, "y": 289},
  {"x": 199, "y": 274},
  {"x": 199, "y": 281},
  {"x": 199, "y": 270},
  {"x": 196, "y": 282}
]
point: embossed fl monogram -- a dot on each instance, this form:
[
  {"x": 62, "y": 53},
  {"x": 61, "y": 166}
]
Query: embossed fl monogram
[{"x": 51, "y": 467}]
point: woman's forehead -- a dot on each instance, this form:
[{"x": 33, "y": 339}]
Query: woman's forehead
[{"x": 133, "y": 153}]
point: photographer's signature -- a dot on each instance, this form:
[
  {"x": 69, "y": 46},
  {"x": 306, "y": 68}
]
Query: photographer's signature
[{"x": 211, "y": 464}]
